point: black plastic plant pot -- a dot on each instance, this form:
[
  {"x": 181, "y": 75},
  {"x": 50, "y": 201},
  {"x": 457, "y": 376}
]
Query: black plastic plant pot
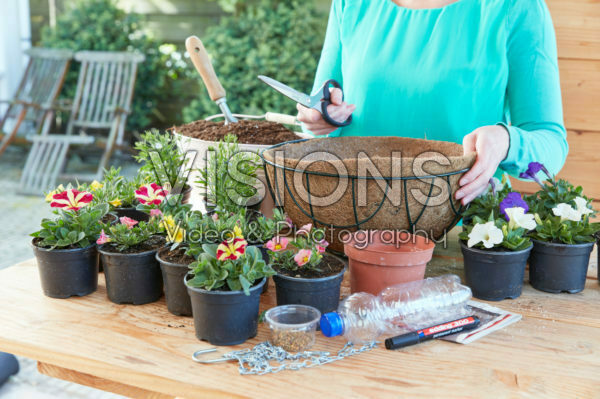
[
  {"x": 67, "y": 272},
  {"x": 493, "y": 275},
  {"x": 225, "y": 317},
  {"x": 176, "y": 294},
  {"x": 265, "y": 256},
  {"x": 321, "y": 293},
  {"x": 559, "y": 268},
  {"x": 132, "y": 278},
  {"x": 132, "y": 213}
]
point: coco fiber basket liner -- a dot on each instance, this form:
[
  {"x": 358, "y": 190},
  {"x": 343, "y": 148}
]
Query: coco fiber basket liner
[{"x": 371, "y": 183}]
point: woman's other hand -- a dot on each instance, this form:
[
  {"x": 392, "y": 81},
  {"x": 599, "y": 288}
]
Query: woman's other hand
[
  {"x": 339, "y": 110},
  {"x": 491, "y": 145}
]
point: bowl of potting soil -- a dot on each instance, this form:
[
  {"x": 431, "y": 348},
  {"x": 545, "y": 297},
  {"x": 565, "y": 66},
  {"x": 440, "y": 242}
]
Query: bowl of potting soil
[
  {"x": 345, "y": 184},
  {"x": 293, "y": 326},
  {"x": 253, "y": 136}
]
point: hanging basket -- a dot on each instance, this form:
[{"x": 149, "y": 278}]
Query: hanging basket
[{"x": 377, "y": 183}]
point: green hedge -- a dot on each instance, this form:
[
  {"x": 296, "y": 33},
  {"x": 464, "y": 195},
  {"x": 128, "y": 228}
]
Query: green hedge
[
  {"x": 101, "y": 25},
  {"x": 280, "y": 39}
]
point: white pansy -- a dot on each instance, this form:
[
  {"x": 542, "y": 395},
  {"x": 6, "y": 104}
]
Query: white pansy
[
  {"x": 518, "y": 218},
  {"x": 487, "y": 234},
  {"x": 566, "y": 212},
  {"x": 582, "y": 206}
]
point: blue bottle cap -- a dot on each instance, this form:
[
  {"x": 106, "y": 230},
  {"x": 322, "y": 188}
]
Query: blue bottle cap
[{"x": 331, "y": 324}]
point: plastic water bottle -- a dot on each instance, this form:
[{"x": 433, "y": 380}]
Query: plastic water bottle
[{"x": 397, "y": 309}]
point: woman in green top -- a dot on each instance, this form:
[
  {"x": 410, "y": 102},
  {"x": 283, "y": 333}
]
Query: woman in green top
[{"x": 480, "y": 72}]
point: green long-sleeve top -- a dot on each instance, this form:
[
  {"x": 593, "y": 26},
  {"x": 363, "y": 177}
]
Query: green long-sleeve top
[{"x": 441, "y": 73}]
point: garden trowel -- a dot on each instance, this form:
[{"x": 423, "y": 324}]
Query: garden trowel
[{"x": 203, "y": 65}]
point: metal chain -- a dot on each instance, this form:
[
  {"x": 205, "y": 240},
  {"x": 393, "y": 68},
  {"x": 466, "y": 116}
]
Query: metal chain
[{"x": 258, "y": 360}]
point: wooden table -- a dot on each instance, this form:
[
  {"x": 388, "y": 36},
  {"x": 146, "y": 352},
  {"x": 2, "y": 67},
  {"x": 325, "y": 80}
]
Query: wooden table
[{"x": 144, "y": 351}]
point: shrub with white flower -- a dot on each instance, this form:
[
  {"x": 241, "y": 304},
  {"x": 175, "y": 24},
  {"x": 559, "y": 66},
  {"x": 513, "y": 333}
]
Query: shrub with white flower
[
  {"x": 498, "y": 219},
  {"x": 561, "y": 210}
]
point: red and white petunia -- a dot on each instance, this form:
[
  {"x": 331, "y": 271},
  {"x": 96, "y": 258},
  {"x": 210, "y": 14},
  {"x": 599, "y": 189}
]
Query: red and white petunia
[
  {"x": 129, "y": 222},
  {"x": 71, "y": 199},
  {"x": 231, "y": 250},
  {"x": 303, "y": 257},
  {"x": 151, "y": 194},
  {"x": 305, "y": 230},
  {"x": 103, "y": 239},
  {"x": 277, "y": 244}
]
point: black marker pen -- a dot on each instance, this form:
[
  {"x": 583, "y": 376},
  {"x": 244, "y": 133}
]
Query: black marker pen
[{"x": 441, "y": 330}]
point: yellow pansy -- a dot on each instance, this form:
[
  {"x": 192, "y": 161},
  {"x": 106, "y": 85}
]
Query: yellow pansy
[
  {"x": 179, "y": 235},
  {"x": 116, "y": 202},
  {"x": 96, "y": 185}
]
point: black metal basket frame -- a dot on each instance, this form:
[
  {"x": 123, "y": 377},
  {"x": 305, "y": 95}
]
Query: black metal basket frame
[{"x": 310, "y": 214}]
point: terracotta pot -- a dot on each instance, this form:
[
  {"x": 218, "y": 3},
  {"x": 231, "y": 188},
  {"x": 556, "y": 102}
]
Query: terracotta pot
[{"x": 379, "y": 259}]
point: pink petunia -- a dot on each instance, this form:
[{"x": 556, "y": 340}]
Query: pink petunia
[
  {"x": 128, "y": 222},
  {"x": 289, "y": 222},
  {"x": 303, "y": 257},
  {"x": 71, "y": 200},
  {"x": 155, "y": 213},
  {"x": 321, "y": 249},
  {"x": 103, "y": 239},
  {"x": 305, "y": 230},
  {"x": 151, "y": 194},
  {"x": 277, "y": 244}
]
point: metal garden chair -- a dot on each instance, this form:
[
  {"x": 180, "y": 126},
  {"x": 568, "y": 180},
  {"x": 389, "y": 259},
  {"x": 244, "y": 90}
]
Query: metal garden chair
[
  {"x": 97, "y": 116},
  {"x": 35, "y": 97}
]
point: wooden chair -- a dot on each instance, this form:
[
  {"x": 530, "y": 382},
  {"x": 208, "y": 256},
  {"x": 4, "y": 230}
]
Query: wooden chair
[
  {"x": 36, "y": 95},
  {"x": 98, "y": 116}
]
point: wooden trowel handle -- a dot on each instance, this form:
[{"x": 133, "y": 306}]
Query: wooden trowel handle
[{"x": 203, "y": 65}]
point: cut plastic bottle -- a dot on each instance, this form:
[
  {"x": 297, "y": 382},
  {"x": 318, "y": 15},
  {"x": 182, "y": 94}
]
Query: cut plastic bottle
[{"x": 363, "y": 317}]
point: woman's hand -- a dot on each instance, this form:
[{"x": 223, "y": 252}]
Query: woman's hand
[
  {"x": 339, "y": 110},
  {"x": 491, "y": 145}
]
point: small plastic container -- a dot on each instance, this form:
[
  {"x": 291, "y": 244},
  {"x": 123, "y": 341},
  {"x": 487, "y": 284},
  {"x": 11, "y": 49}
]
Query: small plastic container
[{"x": 293, "y": 326}]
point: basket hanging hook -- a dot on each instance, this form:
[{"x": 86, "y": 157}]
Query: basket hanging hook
[{"x": 196, "y": 354}]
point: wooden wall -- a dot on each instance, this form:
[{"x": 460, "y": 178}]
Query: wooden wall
[{"x": 577, "y": 24}]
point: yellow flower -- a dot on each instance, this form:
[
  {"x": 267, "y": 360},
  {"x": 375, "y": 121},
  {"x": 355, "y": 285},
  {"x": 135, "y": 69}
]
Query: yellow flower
[
  {"x": 57, "y": 190},
  {"x": 168, "y": 223},
  {"x": 96, "y": 185},
  {"x": 237, "y": 232},
  {"x": 179, "y": 235},
  {"x": 116, "y": 202}
]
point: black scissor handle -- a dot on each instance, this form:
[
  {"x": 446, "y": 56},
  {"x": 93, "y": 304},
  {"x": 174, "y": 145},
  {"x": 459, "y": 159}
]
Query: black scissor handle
[{"x": 327, "y": 101}]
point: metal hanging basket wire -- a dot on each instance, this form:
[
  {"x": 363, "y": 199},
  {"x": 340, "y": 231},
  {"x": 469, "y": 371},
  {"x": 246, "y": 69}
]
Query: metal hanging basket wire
[{"x": 302, "y": 177}]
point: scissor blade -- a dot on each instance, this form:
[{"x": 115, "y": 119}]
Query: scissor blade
[{"x": 287, "y": 91}]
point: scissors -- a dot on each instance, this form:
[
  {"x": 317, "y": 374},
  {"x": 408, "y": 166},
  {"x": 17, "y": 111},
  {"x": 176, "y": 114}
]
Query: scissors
[{"x": 319, "y": 101}]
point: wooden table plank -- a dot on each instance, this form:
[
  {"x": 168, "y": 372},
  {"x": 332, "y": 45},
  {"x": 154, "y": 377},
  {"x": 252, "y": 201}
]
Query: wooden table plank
[
  {"x": 552, "y": 352},
  {"x": 98, "y": 383}
]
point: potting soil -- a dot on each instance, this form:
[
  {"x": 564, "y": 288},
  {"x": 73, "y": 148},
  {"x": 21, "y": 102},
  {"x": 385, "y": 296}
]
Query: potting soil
[{"x": 247, "y": 131}]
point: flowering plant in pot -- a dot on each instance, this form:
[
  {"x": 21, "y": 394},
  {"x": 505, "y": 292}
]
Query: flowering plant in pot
[
  {"x": 305, "y": 274},
  {"x": 495, "y": 244},
  {"x": 225, "y": 285},
  {"x": 118, "y": 192},
  {"x": 163, "y": 161},
  {"x": 65, "y": 246},
  {"x": 177, "y": 221},
  {"x": 564, "y": 237},
  {"x": 128, "y": 252}
]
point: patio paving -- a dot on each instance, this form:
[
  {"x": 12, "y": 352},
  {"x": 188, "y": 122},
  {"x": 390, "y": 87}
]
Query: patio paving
[{"x": 19, "y": 216}]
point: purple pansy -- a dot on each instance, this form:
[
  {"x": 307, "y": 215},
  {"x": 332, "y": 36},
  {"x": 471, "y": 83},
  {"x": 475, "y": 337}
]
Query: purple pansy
[
  {"x": 532, "y": 171},
  {"x": 512, "y": 200}
]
